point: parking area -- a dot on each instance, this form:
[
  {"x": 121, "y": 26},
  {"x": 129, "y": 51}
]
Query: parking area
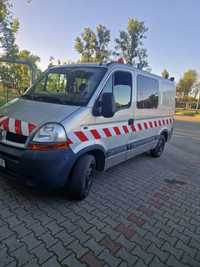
[{"x": 144, "y": 212}]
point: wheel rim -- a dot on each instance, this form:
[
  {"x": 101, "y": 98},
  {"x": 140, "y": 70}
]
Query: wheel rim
[{"x": 89, "y": 177}]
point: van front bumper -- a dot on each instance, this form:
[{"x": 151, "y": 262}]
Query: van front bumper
[{"x": 37, "y": 168}]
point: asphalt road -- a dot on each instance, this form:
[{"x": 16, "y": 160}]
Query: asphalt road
[{"x": 144, "y": 212}]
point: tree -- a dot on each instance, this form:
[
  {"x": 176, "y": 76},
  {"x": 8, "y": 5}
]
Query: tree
[
  {"x": 186, "y": 83},
  {"x": 8, "y": 28},
  {"x": 165, "y": 74},
  {"x": 17, "y": 76},
  {"x": 101, "y": 46},
  {"x": 93, "y": 47},
  {"x": 85, "y": 45},
  {"x": 129, "y": 44}
]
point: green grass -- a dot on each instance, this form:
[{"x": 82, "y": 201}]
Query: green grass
[{"x": 184, "y": 112}]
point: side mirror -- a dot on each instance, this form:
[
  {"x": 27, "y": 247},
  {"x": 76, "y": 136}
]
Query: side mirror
[{"x": 108, "y": 105}]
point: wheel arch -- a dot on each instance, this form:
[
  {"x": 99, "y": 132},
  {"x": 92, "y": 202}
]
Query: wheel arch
[
  {"x": 165, "y": 133},
  {"x": 97, "y": 151}
]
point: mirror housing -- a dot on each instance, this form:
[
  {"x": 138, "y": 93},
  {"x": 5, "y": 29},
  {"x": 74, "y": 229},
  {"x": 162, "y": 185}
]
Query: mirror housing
[{"x": 108, "y": 105}]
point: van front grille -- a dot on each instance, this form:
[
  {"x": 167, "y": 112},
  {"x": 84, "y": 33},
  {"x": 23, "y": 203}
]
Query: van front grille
[{"x": 16, "y": 138}]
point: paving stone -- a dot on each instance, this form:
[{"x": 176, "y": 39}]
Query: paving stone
[
  {"x": 91, "y": 260},
  {"x": 143, "y": 255},
  {"x": 64, "y": 237},
  {"x": 111, "y": 245},
  {"x": 126, "y": 230},
  {"x": 109, "y": 258},
  {"x": 51, "y": 263},
  {"x": 30, "y": 241},
  {"x": 126, "y": 243},
  {"x": 173, "y": 262},
  {"x": 5, "y": 259},
  {"x": 71, "y": 261},
  {"x": 172, "y": 250},
  {"x": 80, "y": 235},
  {"x": 96, "y": 234},
  {"x": 127, "y": 257},
  {"x": 22, "y": 256},
  {"x": 163, "y": 256},
  {"x": 42, "y": 254},
  {"x": 94, "y": 246},
  {"x": 13, "y": 243},
  {"x": 60, "y": 251},
  {"x": 190, "y": 261},
  {"x": 78, "y": 249},
  {"x": 188, "y": 250}
]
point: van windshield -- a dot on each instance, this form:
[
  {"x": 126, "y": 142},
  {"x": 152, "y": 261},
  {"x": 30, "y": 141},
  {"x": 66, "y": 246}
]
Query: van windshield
[{"x": 67, "y": 86}]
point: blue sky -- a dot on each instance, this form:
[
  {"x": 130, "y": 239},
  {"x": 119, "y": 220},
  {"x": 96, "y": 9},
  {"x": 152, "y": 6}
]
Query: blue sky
[{"x": 48, "y": 28}]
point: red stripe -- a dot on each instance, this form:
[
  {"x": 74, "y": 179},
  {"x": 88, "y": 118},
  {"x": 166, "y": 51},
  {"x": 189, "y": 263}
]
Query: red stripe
[
  {"x": 31, "y": 127},
  {"x": 145, "y": 125},
  {"x": 117, "y": 131},
  {"x": 133, "y": 128},
  {"x": 5, "y": 124},
  {"x": 125, "y": 128},
  {"x": 163, "y": 122},
  {"x": 151, "y": 124},
  {"x": 159, "y": 122},
  {"x": 155, "y": 123},
  {"x": 18, "y": 128},
  {"x": 139, "y": 126},
  {"x": 69, "y": 141},
  {"x": 107, "y": 132},
  {"x": 95, "y": 134},
  {"x": 82, "y": 137}
]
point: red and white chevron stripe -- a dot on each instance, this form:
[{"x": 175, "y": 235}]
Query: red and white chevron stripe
[
  {"x": 16, "y": 126},
  {"x": 96, "y": 134}
]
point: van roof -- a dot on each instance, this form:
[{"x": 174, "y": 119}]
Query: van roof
[{"x": 112, "y": 65}]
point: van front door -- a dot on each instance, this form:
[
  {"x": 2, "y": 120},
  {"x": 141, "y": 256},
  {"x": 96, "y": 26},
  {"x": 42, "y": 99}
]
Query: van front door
[{"x": 115, "y": 130}]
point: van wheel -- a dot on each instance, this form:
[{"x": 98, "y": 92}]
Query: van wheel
[
  {"x": 158, "y": 150},
  {"x": 82, "y": 177}
]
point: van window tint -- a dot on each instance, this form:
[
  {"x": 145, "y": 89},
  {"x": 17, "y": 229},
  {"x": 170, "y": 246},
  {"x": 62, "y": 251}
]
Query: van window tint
[
  {"x": 122, "y": 87},
  {"x": 67, "y": 85},
  {"x": 147, "y": 92}
]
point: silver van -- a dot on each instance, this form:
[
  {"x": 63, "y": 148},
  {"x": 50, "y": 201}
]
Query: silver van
[{"x": 77, "y": 119}]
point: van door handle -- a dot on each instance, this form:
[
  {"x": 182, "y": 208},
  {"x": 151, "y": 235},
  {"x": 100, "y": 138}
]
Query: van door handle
[{"x": 130, "y": 121}]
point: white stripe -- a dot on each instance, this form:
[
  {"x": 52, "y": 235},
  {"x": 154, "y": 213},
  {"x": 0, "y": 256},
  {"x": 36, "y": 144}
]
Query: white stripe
[
  {"x": 24, "y": 127},
  {"x": 73, "y": 138},
  {"x": 101, "y": 132},
  {"x": 11, "y": 125},
  {"x": 89, "y": 135},
  {"x": 112, "y": 131}
]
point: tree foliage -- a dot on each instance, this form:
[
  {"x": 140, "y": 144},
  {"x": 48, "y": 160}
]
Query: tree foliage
[
  {"x": 186, "y": 83},
  {"x": 8, "y": 28},
  {"x": 129, "y": 44},
  {"x": 102, "y": 41},
  {"x": 165, "y": 74},
  {"x": 93, "y": 47},
  {"x": 17, "y": 76},
  {"x": 85, "y": 45}
]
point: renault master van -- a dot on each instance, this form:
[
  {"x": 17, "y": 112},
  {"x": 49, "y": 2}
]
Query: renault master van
[{"x": 79, "y": 119}]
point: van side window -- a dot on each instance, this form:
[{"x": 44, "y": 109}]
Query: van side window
[
  {"x": 122, "y": 89},
  {"x": 147, "y": 92}
]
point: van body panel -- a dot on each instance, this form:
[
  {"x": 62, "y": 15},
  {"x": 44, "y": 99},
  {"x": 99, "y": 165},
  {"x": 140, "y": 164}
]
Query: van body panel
[{"x": 36, "y": 112}]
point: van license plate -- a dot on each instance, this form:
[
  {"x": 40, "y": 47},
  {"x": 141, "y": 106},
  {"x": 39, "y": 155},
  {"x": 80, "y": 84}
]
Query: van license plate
[{"x": 2, "y": 163}]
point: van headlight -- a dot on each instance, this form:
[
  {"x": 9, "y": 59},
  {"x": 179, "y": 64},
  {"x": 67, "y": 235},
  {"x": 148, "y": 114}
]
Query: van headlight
[{"x": 50, "y": 136}]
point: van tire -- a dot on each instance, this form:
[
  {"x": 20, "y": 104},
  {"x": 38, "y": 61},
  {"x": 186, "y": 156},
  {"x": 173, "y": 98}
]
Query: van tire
[
  {"x": 158, "y": 150},
  {"x": 82, "y": 177}
]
